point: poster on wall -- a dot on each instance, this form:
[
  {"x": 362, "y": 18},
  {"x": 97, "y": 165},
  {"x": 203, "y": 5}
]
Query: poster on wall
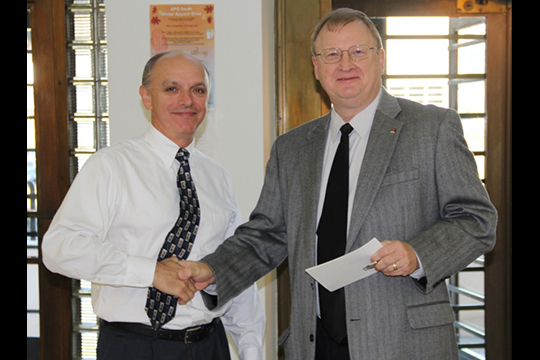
[{"x": 189, "y": 28}]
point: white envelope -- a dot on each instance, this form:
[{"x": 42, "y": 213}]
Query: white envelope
[{"x": 345, "y": 269}]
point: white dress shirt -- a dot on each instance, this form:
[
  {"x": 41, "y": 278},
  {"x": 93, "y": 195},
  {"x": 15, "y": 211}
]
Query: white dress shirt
[
  {"x": 114, "y": 220},
  {"x": 358, "y": 140}
]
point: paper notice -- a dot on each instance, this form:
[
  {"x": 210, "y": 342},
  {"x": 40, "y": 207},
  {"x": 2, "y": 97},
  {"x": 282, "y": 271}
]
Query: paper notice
[{"x": 346, "y": 269}]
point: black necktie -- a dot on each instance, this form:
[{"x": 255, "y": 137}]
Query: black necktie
[
  {"x": 161, "y": 307},
  {"x": 332, "y": 236}
]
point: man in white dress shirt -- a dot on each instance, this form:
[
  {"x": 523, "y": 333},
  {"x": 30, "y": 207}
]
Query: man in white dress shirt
[{"x": 113, "y": 222}]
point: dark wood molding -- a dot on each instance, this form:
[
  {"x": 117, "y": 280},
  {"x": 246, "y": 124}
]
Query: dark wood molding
[{"x": 49, "y": 53}]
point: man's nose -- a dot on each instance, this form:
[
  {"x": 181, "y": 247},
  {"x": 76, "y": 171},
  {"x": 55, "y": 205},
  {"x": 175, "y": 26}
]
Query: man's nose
[
  {"x": 345, "y": 63},
  {"x": 184, "y": 99}
]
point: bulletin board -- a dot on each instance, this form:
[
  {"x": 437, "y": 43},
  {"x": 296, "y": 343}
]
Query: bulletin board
[{"x": 189, "y": 28}]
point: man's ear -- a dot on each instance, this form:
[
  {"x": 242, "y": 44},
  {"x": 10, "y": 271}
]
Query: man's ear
[
  {"x": 315, "y": 66},
  {"x": 146, "y": 97},
  {"x": 382, "y": 62}
]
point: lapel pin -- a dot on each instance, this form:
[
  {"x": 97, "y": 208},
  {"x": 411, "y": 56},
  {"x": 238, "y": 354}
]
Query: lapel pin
[{"x": 393, "y": 131}]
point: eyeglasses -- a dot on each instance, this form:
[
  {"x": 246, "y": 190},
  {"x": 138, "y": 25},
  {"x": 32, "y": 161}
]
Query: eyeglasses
[{"x": 356, "y": 52}]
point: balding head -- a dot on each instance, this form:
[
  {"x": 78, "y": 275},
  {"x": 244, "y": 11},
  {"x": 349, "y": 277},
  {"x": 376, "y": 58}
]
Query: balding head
[{"x": 147, "y": 72}]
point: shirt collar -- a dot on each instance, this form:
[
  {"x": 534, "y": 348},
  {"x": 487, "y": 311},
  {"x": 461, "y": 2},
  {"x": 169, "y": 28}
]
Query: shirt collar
[
  {"x": 361, "y": 122},
  {"x": 165, "y": 148}
]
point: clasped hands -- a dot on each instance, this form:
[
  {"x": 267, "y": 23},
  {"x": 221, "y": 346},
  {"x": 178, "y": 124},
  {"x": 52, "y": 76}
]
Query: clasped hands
[{"x": 183, "y": 279}]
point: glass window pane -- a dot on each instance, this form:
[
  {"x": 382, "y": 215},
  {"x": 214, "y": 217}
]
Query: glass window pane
[
  {"x": 471, "y": 97},
  {"x": 475, "y": 133},
  {"x": 89, "y": 344},
  {"x": 103, "y": 98},
  {"x": 84, "y": 94},
  {"x": 85, "y": 286},
  {"x": 417, "y": 25},
  {"x": 104, "y": 132},
  {"x": 82, "y": 26},
  {"x": 32, "y": 287},
  {"x": 32, "y": 300},
  {"x": 473, "y": 281},
  {"x": 30, "y": 134},
  {"x": 472, "y": 58},
  {"x": 480, "y": 164},
  {"x": 31, "y": 190},
  {"x": 32, "y": 324},
  {"x": 102, "y": 25},
  {"x": 103, "y": 64},
  {"x": 29, "y": 68},
  {"x": 85, "y": 135},
  {"x": 28, "y": 39},
  {"x": 424, "y": 91},
  {"x": 31, "y": 248},
  {"x": 30, "y": 107},
  {"x": 31, "y": 237},
  {"x": 88, "y": 318},
  {"x": 83, "y": 59},
  {"x": 418, "y": 57},
  {"x": 478, "y": 29}
]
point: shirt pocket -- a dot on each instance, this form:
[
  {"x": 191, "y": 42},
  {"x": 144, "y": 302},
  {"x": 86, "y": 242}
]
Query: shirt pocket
[{"x": 213, "y": 229}]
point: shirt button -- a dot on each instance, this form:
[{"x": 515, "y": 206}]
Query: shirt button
[{"x": 311, "y": 337}]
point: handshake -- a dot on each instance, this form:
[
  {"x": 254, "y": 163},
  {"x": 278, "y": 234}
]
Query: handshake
[{"x": 182, "y": 278}]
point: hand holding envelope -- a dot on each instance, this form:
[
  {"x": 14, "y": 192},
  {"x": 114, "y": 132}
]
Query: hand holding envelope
[{"x": 346, "y": 269}]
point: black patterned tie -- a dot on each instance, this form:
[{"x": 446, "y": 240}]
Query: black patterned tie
[
  {"x": 161, "y": 307},
  {"x": 332, "y": 236}
]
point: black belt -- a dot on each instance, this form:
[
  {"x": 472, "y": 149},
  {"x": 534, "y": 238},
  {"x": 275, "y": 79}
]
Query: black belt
[{"x": 190, "y": 335}]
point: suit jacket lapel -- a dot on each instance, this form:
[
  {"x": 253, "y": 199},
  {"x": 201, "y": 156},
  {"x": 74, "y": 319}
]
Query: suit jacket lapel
[
  {"x": 380, "y": 147},
  {"x": 312, "y": 160},
  {"x": 310, "y": 167}
]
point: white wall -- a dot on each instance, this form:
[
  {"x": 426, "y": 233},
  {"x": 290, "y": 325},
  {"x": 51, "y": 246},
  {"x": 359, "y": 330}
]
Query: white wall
[{"x": 240, "y": 129}]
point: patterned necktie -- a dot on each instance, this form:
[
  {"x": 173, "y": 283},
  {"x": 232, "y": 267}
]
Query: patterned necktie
[
  {"x": 332, "y": 236},
  {"x": 161, "y": 307}
]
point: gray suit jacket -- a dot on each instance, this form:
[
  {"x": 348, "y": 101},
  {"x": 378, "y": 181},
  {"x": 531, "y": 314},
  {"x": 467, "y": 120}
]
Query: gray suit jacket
[{"x": 418, "y": 183}]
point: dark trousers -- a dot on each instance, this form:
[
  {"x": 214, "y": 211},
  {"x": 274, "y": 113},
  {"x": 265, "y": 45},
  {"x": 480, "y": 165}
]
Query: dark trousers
[
  {"x": 327, "y": 349},
  {"x": 116, "y": 344}
]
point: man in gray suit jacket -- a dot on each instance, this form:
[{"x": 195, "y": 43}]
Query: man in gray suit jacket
[{"x": 413, "y": 181}]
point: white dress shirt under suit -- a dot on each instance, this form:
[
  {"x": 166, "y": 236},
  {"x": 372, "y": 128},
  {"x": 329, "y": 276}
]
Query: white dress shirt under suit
[{"x": 115, "y": 217}]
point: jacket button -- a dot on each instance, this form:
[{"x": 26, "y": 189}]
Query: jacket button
[{"x": 311, "y": 338}]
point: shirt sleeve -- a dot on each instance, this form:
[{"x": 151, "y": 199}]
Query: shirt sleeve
[
  {"x": 418, "y": 273},
  {"x": 76, "y": 244},
  {"x": 245, "y": 322},
  {"x": 468, "y": 219}
]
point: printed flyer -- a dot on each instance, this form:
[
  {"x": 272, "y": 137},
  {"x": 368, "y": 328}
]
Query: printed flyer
[{"x": 189, "y": 28}]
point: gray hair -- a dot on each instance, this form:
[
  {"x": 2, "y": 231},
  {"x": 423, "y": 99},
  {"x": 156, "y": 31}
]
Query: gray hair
[
  {"x": 341, "y": 17},
  {"x": 147, "y": 72}
]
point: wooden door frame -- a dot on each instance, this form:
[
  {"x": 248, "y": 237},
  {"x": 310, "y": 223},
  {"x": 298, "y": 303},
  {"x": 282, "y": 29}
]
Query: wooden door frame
[
  {"x": 300, "y": 99},
  {"x": 299, "y": 96},
  {"x": 52, "y": 150}
]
